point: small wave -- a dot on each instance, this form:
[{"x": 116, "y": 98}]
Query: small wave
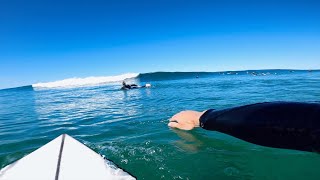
[
  {"x": 22, "y": 88},
  {"x": 88, "y": 81}
]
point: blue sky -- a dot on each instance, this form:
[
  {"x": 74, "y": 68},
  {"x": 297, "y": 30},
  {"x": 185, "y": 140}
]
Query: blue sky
[{"x": 42, "y": 40}]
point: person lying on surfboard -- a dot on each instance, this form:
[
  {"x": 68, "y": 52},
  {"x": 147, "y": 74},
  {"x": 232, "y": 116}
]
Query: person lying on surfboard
[
  {"x": 133, "y": 86},
  {"x": 128, "y": 86},
  {"x": 288, "y": 125}
]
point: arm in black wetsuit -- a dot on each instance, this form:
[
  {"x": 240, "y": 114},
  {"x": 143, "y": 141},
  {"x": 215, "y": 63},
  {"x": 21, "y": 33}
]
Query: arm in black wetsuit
[{"x": 279, "y": 124}]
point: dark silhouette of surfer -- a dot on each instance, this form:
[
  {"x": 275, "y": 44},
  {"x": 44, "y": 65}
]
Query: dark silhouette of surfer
[{"x": 128, "y": 86}]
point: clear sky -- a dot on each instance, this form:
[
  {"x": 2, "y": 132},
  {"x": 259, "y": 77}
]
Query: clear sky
[{"x": 46, "y": 40}]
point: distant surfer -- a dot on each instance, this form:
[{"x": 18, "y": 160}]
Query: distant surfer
[
  {"x": 132, "y": 86},
  {"x": 288, "y": 125},
  {"x": 128, "y": 86}
]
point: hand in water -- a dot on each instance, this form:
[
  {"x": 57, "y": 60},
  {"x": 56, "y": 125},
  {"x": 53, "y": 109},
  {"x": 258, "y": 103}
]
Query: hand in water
[{"x": 185, "y": 120}]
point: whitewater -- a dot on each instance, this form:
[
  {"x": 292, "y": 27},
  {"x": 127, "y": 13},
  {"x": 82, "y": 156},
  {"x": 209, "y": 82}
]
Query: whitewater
[{"x": 88, "y": 81}]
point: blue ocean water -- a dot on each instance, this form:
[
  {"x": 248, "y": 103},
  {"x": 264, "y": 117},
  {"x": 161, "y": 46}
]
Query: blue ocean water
[{"x": 130, "y": 127}]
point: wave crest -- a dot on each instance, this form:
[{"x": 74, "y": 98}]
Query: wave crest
[{"x": 88, "y": 81}]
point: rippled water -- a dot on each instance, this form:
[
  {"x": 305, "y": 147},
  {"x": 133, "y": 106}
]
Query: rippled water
[{"x": 130, "y": 127}]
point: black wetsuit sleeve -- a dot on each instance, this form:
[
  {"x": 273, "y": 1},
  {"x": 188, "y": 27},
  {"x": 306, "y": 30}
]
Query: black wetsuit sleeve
[{"x": 278, "y": 124}]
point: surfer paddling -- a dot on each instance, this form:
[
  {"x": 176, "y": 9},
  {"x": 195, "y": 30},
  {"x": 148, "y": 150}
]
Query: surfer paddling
[
  {"x": 126, "y": 86},
  {"x": 286, "y": 125}
]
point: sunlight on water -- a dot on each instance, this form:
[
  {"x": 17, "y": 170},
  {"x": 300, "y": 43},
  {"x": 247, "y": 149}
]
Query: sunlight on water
[{"x": 130, "y": 127}]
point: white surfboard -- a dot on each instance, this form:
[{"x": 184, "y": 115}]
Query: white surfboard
[{"x": 63, "y": 158}]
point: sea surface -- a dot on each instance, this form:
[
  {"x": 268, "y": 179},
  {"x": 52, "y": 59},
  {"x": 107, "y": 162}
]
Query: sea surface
[{"x": 130, "y": 128}]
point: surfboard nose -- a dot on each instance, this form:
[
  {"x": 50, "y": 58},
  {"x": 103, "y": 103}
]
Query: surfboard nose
[{"x": 63, "y": 158}]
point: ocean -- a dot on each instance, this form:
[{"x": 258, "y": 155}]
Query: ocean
[{"x": 129, "y": 127}]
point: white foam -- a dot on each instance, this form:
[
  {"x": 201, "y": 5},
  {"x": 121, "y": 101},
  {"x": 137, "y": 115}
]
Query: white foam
[{"x": 88, "y": 81}]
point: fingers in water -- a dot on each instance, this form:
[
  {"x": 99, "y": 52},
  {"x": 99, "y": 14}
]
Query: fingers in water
[
  {"x": 180, "y": 126},
  {"x": 173, "y": 121},
  {"x": 174, "y": 124}
]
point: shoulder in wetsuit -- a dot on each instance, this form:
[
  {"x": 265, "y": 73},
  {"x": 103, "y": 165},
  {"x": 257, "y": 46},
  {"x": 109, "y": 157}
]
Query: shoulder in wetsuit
[{"x": 278, "y": 124}]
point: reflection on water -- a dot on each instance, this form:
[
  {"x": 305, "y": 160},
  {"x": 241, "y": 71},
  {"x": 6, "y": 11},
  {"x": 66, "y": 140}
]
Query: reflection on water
[
  {"x": 83, "y": 108},
  {"x": 188, "y": 141}
]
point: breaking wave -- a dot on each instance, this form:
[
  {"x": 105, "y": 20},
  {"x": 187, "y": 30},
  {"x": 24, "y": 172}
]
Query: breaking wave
[{"x": 88, "y": 81}]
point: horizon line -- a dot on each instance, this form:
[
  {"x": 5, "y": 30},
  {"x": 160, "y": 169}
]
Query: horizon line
[{"x": 178, "y": 72}]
